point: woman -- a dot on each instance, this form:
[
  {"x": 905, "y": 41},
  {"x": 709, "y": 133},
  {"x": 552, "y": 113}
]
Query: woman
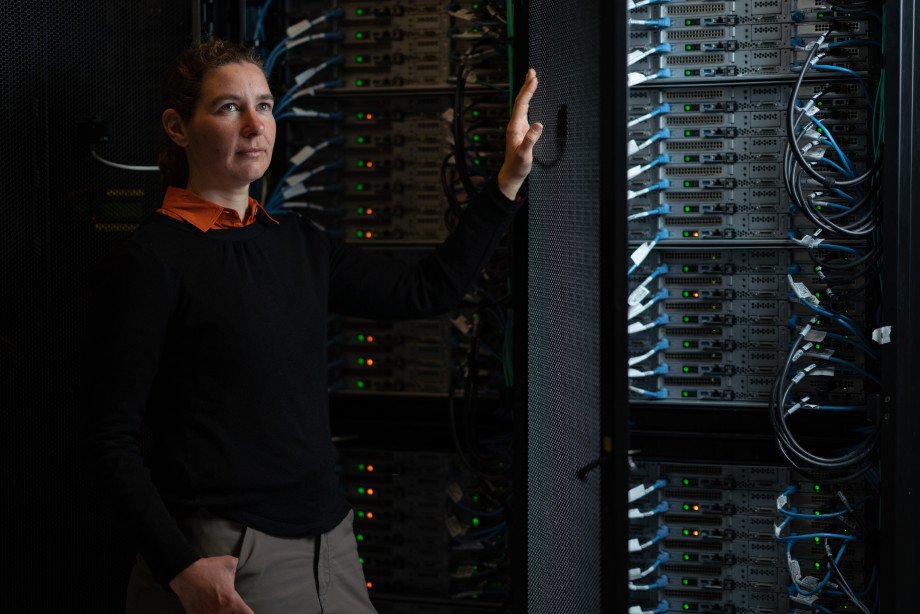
[{"x": 209, "y": 325}]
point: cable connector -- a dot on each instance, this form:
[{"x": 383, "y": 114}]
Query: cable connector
[
  {"x": 663, "y": 108},
  {"x": 655, "y": 23},
  {"x": 662, "y": 209},
  {"x": 639, "y": 169},
  {"x": 802, "y": 292},
  {"x": 632, "y": 147}
]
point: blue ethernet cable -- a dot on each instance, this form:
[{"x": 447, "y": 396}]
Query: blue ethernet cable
[
  {"x": 661, "y": 582},
  {"x": 663, "y": 108},
  {"x": 662, "y": 607},
  {"x": 661, "y": 508},
  {"x": 637, "y": 574},
  {"x": 294, "y": 93},
  {"x": 655, "y": 23},
  {"x": 659, "y": 347},
  {"x": 661, "y": 393},
  {"x": 636, "y": 546},
  {"x": 638, "y": 327},
  {"x": 632, "y": 147},
  {"x": 639, "y": 169},
  {"x": 639, "y": 54},
  {"x": 664, "y": 184},
  {"x": 642, "y": 252},
  {"x": 662, "y": 209},
  {"x": 635, "y": 310},
  {"x": 289, "y": 42},
  {"x": 641, "y": 490},
  {"x": 853, "y": 74}
]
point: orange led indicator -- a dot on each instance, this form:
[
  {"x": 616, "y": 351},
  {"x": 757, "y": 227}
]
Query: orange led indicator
[
  {"x": 370, "y": 492},
  {"x": 370, "y": 361},
  {"x": 369, "y": 515},
  {"x": 370, "y": 585},
  {"x": 369, "y": 211},
  {"x": 696, "y": 295},
  {"x": 696, "y": 533},
  {"x": 696, "y": 234},
  {"x": 369, "y": 164},
  {"x": 370, "y": 339},
  {"x": 368, "y": 116},
  {"x": 370, "y": 467},
  {"x": 368, "y": 234},
  {"x": 696, "y": 508}
]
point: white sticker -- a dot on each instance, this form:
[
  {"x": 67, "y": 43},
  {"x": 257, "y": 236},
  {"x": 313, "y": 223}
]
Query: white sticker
[
  {"x": 454, "y": 492},
  {"x": 641, "y": 252},
  {"x": 636, "y": 296},
  {"x": 302, "y": 155},
  {"x": 882, "y": 335}
]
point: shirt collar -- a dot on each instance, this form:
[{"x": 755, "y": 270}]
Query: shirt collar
[{"x": 204, "y": 214}]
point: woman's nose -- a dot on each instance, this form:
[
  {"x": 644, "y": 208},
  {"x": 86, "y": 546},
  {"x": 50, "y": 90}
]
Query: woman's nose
[{"x": 254, "y": 125}]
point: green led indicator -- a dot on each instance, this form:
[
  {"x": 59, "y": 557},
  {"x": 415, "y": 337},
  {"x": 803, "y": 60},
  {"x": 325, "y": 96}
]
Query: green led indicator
[
  {"x": 686, "y": 210},
  {"x": 686, "y": 369},
  {"x": 475, "y": 137},
  {"x": 360, "y": 115},
  {"x": 475, "y": 7},
  {"x": 360, "y": 361},
  {"x": 686, "y": 234},
  {"x": 475, "y": 30},
  {"x": 817, "y": 513},
  {"x": 359, "y": 234},
  {"x": 476, "y": 497},
  {"x": 686, "y": 184},
  {"x": 817, "y": 540},
  {"x": 686, "y": 606},
  {"x": 360, "y": 384},
  {"x": 359, "y": 83},
  {"x": 360, "y": 163},
  {"x": 686, "y": 158},
  {"x": 361, "y": 560},
  {"x": 359, "y": 12},
  {"x": 359, "y": 59},
  {"x": 686, "y": 581},
  {"x": 686, "y": 531},
  {"x": 817, "y": 565},
  {"x": 475, "y": 113},
  {"x": 686, "y": 319},
  {"x": 360, "y": 514},
  {"x": 686, "y": 557},
  {"x": 686, "y": 394},
  {"x": 686, "y": 107},
  {"x": 360, "y": 490},
  {"x": 360, "y": 140},
  {"x": 686, "y": 293},
  {"x": 686, "y": 73},
  {"x": 686, "y": 482},
  {"x": 361, "y": 339},
  {"x": 360, "y": 467},
  {"x": 476, "y": 161},
  {"x": 686, "y": 507},
  {"x": 359, "y": 35},
  {"x": 359, "y": 537},
  {"x": 359, "y": 187},
  {"x": 688, "y": 23},
  {"x": 686, "y": 133},
  {"x": 360, "y": 210},
  {"x": 817, "y": 487},
  {"x": 689, "y": 47},
  {"x": 475, "y": 522}
]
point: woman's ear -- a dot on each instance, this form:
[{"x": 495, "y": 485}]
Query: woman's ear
[{"x": 174, "y": 127}]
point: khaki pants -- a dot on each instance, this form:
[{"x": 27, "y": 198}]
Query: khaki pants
[{"x": 309, "y": 575}]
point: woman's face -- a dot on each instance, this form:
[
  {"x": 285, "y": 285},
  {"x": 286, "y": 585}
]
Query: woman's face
[{"x": 229, "y": 139}]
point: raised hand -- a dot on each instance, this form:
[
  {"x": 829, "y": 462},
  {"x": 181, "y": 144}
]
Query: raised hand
[{"x": 520, "y": 138}]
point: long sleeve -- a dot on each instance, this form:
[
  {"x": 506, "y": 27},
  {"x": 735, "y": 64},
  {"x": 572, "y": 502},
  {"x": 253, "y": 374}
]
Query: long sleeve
[
  {"x": 368, "y": 285},
  {"x": 133, "y": 295}
]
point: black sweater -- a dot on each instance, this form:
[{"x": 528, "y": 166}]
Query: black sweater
[{"x": 217, "y": 340}]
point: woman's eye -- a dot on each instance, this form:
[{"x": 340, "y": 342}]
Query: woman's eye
[
  {"x": 230, "y": 106},
  {"x": 264, "y": 106}
]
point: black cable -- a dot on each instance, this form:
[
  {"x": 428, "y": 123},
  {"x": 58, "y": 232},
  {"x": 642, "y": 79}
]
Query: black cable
[{"x": 844, "y": 585}]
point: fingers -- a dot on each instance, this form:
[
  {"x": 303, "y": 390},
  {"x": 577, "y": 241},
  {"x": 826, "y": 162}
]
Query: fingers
[
  {"x": 530, "y": 139},
  {"x": 522, "y": 101}
]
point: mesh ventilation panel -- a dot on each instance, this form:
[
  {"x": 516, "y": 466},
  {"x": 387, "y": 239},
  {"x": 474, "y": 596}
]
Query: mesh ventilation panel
[
  {"x": 64, "y": 63},
  {"x": 564, "y": 314}
]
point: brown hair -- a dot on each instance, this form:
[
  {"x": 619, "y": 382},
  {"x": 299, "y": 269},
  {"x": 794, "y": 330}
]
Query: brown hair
[{"x": 182, "y": 89}]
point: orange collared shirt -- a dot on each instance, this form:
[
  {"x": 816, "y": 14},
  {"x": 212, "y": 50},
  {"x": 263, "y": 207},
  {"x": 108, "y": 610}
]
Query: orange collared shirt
[{"x": 204, "y": 214}]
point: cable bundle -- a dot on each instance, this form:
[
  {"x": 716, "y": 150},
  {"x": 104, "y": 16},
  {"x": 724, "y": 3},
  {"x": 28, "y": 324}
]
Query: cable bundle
[{"x": 841, "y": 197}]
